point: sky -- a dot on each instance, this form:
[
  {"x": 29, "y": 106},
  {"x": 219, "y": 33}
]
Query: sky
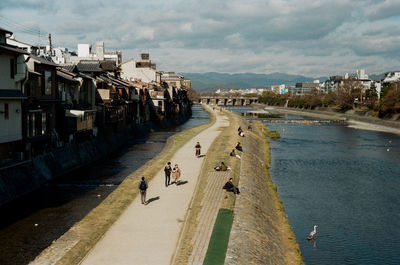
[{"x": 308, "y": 37}]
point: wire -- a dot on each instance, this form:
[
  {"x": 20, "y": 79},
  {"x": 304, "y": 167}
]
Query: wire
[{"x": 22, "y": 28}]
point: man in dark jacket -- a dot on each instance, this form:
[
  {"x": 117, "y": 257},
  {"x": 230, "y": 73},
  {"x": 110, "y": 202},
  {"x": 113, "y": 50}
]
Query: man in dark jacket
[
  {"x": 230, "y": 187},
  {"x": 167, "y": 171},
  {"x": 142, "y": 188}
]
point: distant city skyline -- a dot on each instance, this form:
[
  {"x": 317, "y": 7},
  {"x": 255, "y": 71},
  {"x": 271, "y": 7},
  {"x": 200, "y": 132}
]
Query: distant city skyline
[{"x": 311, "y": 38}]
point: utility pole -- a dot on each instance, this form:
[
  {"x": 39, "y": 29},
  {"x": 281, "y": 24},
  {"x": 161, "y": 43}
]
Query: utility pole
[{"x": 50, "y": 47}]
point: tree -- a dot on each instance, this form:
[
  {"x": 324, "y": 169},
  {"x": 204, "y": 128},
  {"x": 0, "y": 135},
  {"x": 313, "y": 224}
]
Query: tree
[
  {"x": 193, "y": 95},
  {"x": 346, "y": 94},
  {"x": 390, "y": 104}
]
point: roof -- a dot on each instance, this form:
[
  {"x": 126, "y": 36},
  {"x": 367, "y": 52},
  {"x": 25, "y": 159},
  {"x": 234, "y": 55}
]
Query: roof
[
  {"x": 89, "y": 66},
  {"x": 11, "y": 94},
  {"x": 108, "y": 65},
  {"x": 41, "y": 60},
  {"x": 5, "y": 31},
  {"x": 66, "y": 76},
  {"x": 69, "y": 67},
  {"x": 13, "y": 49}
]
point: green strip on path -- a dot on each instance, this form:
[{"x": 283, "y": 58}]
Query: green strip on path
[{"x": 219, "y": 238}]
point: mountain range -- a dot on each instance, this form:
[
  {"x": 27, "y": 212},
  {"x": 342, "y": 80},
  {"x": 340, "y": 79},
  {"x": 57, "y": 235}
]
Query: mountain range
[{"x": 211, "y": 81}]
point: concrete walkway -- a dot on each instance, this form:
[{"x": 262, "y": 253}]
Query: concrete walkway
[{"x": 148, "y": 234}]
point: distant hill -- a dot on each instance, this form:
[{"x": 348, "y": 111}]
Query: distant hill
[{"x": 211, "y": 81}]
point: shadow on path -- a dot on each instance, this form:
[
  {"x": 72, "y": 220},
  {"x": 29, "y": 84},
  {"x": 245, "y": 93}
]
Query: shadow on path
[
  {"x": 152, "y": 199},
  {"x": 182, "y": 182}
]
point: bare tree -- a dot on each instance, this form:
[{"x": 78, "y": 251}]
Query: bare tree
[{"x": 347, "y": 93}]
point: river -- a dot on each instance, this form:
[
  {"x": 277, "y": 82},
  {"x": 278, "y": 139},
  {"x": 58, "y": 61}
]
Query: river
[
  {"x": 344, "y": 180},
  {"x": 29, "y": 225}
]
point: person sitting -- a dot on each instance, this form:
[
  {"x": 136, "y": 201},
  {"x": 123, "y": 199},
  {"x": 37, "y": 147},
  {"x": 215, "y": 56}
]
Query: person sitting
[
  {"x": 230, "y": 187},
  {"x": 249, "y": 127},
  {"x": 241, "y": 133},
  {"x": 222, "y": 167},
  {"x": 239, "y": 147},
  {"x": 239, "y": 129},
  {"x": 234, "y": 154}
]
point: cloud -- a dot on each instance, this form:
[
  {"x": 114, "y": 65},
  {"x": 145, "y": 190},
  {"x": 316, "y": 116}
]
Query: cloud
[{"x": 314, "y": 37}]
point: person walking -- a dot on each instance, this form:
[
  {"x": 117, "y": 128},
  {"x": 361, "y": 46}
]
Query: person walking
[
  {"x": 176, "y": 173},
  {"x": 198, "y": 149},
  {"x": 167, "y": 170},
  {"x": 142, "y": 188}
]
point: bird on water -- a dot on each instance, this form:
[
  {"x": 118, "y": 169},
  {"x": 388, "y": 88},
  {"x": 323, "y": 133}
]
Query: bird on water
[{"x": 312, "y": 233}]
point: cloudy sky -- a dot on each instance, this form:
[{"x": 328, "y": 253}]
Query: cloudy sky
[{"x": 308, "y": 37}]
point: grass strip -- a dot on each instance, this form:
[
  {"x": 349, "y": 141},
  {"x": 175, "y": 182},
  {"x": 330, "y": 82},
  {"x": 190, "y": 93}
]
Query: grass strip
[{"x": 219, "y": 238}]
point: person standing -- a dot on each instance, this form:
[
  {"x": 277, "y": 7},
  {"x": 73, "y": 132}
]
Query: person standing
[
  {"x": 142, "y": 188},
  {"x": 198, "y": 149},
  {"x": 167, "y": 170},
  {"x": 176, "y": 173}
]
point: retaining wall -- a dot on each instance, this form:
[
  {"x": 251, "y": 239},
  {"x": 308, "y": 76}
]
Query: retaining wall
[{"x": 260, "y": 232}]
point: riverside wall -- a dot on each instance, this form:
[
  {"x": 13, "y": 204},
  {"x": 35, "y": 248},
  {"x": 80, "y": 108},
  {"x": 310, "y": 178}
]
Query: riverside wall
[
  {"x": 350, "y": 116},
  {"x": 260, "y": 232},
  {"x": 19, "y": 180}
]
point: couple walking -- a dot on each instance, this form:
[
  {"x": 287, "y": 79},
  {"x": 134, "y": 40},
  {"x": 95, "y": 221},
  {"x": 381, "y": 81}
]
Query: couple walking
[{"x": 176, "y": 174}]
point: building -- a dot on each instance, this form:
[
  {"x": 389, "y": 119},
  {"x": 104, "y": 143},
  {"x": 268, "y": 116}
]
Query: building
[
  {"x": 391, "y": 77},
  {"x": 279, "y": 89},
  {"x": 304, "y": 88},
  {"x": 85, "y": 53},
  {"x": 40, "y": 108},
  {"x": 142, "y": 69},
  {"x": 12, "y": 76}
]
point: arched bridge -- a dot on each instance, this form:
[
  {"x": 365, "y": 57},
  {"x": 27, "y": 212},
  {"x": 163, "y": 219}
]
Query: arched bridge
[{"x": 228, "y": 100}]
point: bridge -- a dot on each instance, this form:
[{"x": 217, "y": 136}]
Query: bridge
[{"x": 228, "y": 100}]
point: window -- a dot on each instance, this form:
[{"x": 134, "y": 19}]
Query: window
[
  {"x": 13, "y": 68},
  {"x": 6, "y": 111},
  {"x": 47, "y": 83}
]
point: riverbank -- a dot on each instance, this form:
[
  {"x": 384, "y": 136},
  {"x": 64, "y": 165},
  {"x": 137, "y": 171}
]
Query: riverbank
[
  {"x": 257, "y": 210},
  {"x": 353, "y": 119},
  {"x": 261, "y": 233},
  {"x": 74, "y": 245}
]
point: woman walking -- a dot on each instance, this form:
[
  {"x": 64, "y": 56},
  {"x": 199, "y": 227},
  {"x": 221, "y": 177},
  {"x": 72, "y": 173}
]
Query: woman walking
[{"x": 176, "y": 173}]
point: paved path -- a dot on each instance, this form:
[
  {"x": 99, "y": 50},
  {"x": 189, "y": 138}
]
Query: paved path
[
  {"x": 148, "y": 234},
  {"x": 208, "y": 214}
]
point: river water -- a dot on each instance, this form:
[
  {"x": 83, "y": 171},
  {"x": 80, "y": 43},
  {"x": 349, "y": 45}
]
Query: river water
[
  {"x": 30, "y": 224},
  {"x": 346, "y": 181}
]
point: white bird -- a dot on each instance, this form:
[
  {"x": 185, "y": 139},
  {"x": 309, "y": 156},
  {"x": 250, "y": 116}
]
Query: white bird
[{"x": 312, "y": 233}]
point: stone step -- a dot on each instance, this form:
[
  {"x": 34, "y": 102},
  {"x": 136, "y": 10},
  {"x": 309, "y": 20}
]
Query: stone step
[{"x": 207, "y": 216}]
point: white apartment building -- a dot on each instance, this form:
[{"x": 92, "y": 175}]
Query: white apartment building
[{"x": 141, "y": 69}]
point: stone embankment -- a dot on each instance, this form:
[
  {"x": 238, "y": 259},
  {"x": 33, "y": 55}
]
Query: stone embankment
[
  {"x": 260, "y": 233},
  {"x": 353, "y": 118}
]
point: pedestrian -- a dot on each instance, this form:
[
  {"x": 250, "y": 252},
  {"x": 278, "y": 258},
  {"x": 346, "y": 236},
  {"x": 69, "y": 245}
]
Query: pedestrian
[
  {"x": 239, "y": 147},
  {"x": 142, "y": 188},
  {"x": 176, "y": 173},
  {"x": 230, "y": 187},
  {"x": 198, "y": 149},
  {"x": 167, "y": 170}
]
